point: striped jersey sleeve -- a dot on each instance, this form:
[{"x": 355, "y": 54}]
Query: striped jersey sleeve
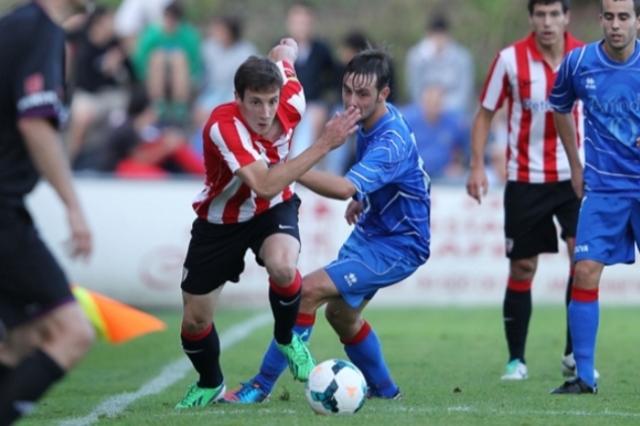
[
  {"x": 292, "y": 100},
  {"x": 496, "y": 86}
]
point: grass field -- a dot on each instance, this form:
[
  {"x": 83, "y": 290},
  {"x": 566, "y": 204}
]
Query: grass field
[{"x": 446, "y": 360}]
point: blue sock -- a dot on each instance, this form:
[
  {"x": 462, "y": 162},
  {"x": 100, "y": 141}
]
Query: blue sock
[
  {"x": 273, "y": 362},
  {"x": 365, "y": 351},
  {"x": 583, "y": 323}
]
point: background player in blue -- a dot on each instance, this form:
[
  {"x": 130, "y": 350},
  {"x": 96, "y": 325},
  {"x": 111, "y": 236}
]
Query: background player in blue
[
  {"x": 390, "y": 209},
  {"x": 606, "y": 76},
  {"x": 47, "y": 331}
]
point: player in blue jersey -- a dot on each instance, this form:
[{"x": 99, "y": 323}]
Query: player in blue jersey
[
  {"x": 389, "y": 192},
  {"x": 606, "y": 76}
]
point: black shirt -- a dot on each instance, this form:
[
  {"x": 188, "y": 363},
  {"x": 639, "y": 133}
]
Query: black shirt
[{"x": 31, "y": 85}]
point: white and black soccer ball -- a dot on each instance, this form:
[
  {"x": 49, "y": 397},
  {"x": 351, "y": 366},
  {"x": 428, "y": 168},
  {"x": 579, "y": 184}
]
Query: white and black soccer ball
[{"x": 336, "y": 386}]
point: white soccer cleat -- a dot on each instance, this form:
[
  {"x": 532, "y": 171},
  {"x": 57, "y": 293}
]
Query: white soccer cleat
[
  {"x": 568, "y": 365},
  {"x": 515, "y": 370}
]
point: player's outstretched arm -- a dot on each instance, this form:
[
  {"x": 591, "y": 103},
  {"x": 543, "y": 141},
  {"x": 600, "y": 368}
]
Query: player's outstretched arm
[
  {"x": 328, "y": 185},
  {"x": 47, "y": 153},
  {"x": 567, "y": 132},
  {"x": 267, "y": 182},
  {"x": 477, "y": 183}
]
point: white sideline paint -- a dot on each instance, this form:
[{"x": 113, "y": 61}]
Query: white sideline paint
[{"x": 169, "y": 375}]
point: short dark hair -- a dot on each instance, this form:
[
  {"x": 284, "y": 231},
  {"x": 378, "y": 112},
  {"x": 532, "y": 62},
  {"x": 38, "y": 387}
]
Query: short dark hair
[
  {"x": 257, "y": 74},
  {"x": 233, "y": 24},
  {"x": 374, "y": 62},
  {"x": 636, "y": 6},
  {"x": 356, "y": 41},
  {"x": 175, "y": 10},
  {"x": 138, "y": 101},
  {"x": 566, "y": 4},
  {"x": 439, "y": 23}
]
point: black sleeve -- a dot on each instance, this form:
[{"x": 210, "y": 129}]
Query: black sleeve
[{"x": 39, "y": 79}]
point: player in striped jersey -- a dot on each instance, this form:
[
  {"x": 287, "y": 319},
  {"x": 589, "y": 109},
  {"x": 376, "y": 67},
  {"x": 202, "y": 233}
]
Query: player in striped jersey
[
  {"x": 249, "y": 202},
  {"x": 538, "y": 178},
  {"x": 605, "y": 75},
  {"x": 390, "y": 207}
]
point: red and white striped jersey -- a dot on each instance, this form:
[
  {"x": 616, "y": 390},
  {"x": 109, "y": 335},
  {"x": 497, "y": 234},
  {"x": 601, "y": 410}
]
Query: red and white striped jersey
[
  {"x": 230, "y": 144},
  {"x": 521, "y": 76}
]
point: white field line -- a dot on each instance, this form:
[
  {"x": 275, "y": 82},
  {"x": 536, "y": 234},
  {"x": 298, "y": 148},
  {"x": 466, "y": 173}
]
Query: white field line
[
  {"x": 169, "y": 375},
  {"x": 399, "y": 409}
]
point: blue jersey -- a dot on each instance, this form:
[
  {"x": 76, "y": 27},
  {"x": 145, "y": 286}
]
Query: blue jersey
[
  {"x": 610, "y": 92},
  {"x": 393, "y": 187}
]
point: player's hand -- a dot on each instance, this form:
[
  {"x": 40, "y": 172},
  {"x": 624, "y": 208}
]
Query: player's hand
[
  {"x": 352, "y": 214},
  {"x": 577, "y": 182},
  {"x": 80, "y": 243},
  {"x": 477, "y": 184},
  {"x": 286, "y": 50},
  {"x": 340, "y": 127}
]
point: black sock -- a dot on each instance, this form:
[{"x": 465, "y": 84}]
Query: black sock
[
  {"x": 285, "y": 311},
  {"x": 26, "y": 383},
  {"x": 204, "y": 353},
  {"x": 516, "y": 312},
  {"x": 568, "y": 347}
]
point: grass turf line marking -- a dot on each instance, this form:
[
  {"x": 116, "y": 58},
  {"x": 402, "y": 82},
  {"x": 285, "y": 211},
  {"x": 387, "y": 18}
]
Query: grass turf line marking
[{"x": 169, "y": 375}]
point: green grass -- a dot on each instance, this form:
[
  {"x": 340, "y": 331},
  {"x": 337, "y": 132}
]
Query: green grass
[{"x": 446, "y": 360}]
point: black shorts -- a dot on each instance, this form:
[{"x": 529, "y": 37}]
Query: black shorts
[
  {"x": 31, "y": 281},
  {"x": 529, "y": 210},
  {"x": 216, "y": 251}
]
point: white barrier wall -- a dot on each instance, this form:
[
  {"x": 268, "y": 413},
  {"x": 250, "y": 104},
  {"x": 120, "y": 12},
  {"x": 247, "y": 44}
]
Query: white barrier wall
[{"x": 141, "y": 231}]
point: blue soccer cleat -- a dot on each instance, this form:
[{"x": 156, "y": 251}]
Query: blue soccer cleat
[{"x": 247, "y": 393}]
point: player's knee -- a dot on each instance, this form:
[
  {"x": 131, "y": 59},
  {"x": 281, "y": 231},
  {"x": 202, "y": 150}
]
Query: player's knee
[
  {"x": 586, "y": 275},
  {"x": 522, "y": 269},
  {"x": 282, "y": 274},
  {"x": 195, "y": 324}
]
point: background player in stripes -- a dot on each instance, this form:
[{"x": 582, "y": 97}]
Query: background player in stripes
[
  {"x": 538, "y": 178},
  {"x": 605, "y": 75},
  {"x": 390, "y": 209},
  {"x": 249, "y": 202},
  {"x": 47, "y": 331}
]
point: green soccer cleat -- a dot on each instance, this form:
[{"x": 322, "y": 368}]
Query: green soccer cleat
[
  {"x": 200, "y": 397},
  {"x": 299, "y": 358}
]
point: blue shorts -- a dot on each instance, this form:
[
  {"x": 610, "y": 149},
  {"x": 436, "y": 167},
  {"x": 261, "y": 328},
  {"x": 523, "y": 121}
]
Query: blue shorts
[
  {"x": 608, "y": 229},
  {"x": 363, "y": 267}
]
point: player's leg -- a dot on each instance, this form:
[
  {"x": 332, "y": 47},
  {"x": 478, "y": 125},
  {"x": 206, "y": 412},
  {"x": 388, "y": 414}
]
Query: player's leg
[
  {"x": 529, "y": 231},
  {"x": 362, "y": 346},
  {"x": 215, "y": 256},
  {"x": 566, "y": 213},
  {"x": 516, "y": 314},
  {"x": 258, "y": 388},
  {"x": 48, "y": 333},
  {"x": 605, "y": 236}
]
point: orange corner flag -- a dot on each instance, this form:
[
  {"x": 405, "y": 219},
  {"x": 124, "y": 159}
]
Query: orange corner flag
[{"x": 114, "y": 321}]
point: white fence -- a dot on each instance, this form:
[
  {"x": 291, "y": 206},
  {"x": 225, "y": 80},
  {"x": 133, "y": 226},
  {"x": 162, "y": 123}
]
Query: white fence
[{"x": 141, "y": 231}]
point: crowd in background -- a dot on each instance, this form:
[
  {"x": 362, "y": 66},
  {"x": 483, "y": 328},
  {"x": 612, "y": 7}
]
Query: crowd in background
[{"x": 144, "y": 79}]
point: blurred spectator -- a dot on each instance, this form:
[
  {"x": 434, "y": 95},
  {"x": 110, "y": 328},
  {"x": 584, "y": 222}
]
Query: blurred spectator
[
  {"x": 139, "y": 149},
  {"x": 439, "y": 60},
  {"x": 101, "y": 73},
  {"x": 134, "y": 16},
  {"x": 223, "y": 51},
  {"x": 316, "y": 71},
  {"x": 167, "y": 58},
  {"x": 442, "y": 136}
]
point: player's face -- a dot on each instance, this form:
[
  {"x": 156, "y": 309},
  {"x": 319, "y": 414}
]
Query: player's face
[
  {"x": 549, "y": 23},
  {"x": 360, "y": 91},
  {"x": 259, "y": 109},
  {"x": 620, "y": 26}
]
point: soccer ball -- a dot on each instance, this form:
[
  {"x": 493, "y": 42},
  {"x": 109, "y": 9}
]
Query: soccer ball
[{"x": 336, "y": 386}]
